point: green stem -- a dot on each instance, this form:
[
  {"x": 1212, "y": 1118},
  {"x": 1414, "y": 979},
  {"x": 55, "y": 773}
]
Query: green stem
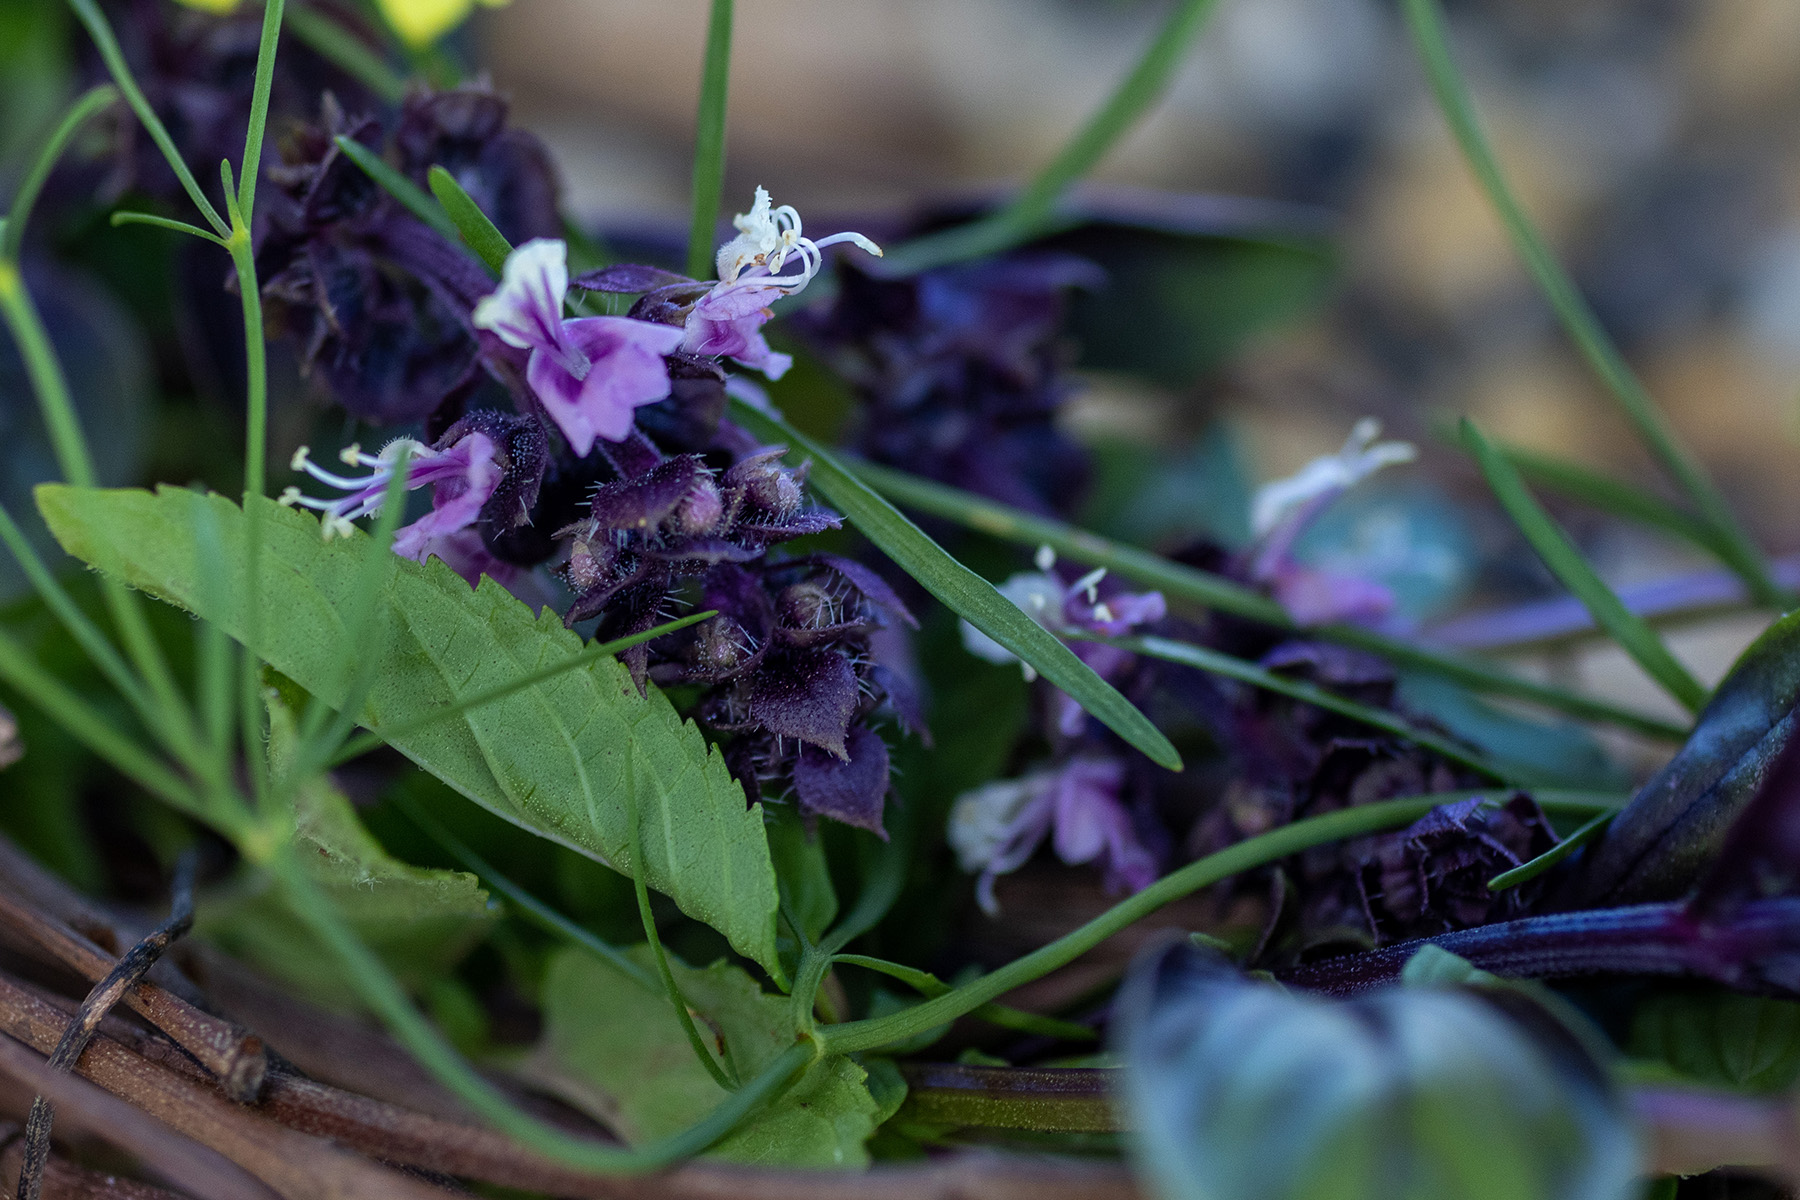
[
  {"x": 1212, "y": 661},
  {"x": 377, "y": 988},
  {"x": 346, "y": 51},
  {"x": 1033, "y": 211},
  {"x": 251, "y": 166},
  {"x": 91, "y": 102},
  {"x": 1631, "y": 632},
  {"x": 929, "y": 985},
  {"x": 1739, "y": 552},
  {"x": 1254, "y": 852},
  {"x": 1179, "y": 582},
  {"x": 156, "y": 222},
  {"x": 88, "y": 11},
  {"x": 256, "y": 380},
  {"x": 721, "y": 1073},
  {"x": 709, "y": 141}
]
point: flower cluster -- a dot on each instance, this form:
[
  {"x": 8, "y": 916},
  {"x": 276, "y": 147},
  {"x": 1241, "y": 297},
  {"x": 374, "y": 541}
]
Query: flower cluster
[{"x": 617, "y": 465}]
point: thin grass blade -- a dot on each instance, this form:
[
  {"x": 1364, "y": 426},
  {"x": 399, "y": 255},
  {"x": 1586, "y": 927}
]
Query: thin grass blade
[
  {"x": 1633, "y": 634},
  {"x": 1033, "y": 212},
  {"x": 1180, "y": 582},
  {"x": 90, "y": 102},
  {"x": 410, "y": 195},
  {"x": 709, "y": 141},
  {"x": 1426, "y": 22},
  {"x": 965, "y": 593},
  {"x": 344, "y": 50},
  {"x": 1531, "y": 870}
]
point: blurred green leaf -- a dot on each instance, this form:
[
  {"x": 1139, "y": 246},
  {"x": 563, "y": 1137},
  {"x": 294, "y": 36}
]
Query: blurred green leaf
[
  {"x": 550, "y": 758},
  {"x": 799, "y": 857},
  {"x": 1244, "y": 1091},
  {"x": 612, "y": 1048},
  {"x": 1749, "y": 1043}
]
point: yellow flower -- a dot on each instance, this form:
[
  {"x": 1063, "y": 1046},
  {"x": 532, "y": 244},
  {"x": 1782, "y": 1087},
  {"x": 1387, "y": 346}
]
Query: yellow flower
[{"x": 422, "y": 22}]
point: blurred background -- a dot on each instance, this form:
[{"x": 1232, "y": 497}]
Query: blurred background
[{"x": 1654, "y": 140}]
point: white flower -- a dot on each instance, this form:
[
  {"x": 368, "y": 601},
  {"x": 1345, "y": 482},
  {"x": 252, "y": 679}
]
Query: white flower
[
  {"x": 767, "y": 236},
  {"x": 1327, "y": 476},
  {"x": 982, "y": 820},
  {"x": 1038, "y": 595}
]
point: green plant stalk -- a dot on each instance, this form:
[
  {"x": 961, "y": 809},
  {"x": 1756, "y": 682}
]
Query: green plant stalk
[
  {"x": 1005, "y": 1016},
  {"x": 876, "y": 1032},
  {"x": 156, "y": 222},
  {"x": 589, "y": 654},
  {"x": 961, "y": 590},
  {"x": 1741, "y": 554},
  {"x": 472, "y": 225},
  {"x": 346, "y": 51},
  {"x": 1216, "y": 663},
  {"x": 721, "y": 1072},
  {"x": 74, "y": 714},
  {"x": 51, "y": 386},
  {"x": 536, "y": 910},
  {"x": 251, "y": 166},
  {"x": 88, "y": 12},
  {"x": 1611, "y": 496},
  {"x": 1179, "y": 582},
  {"x": 89, "y": 103},
  {"x": 377, "y": 988},
  {"x": 1533, "y": 868},
  {"x": 1033, "y": 211},
  {"x": 709, "y": 141},
  {"x": 1633, "y": 634}
]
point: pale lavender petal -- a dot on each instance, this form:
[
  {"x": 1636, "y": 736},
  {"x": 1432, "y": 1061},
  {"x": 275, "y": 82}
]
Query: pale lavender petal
[
  {"x": 1087, "y": 792},
  {"x": 1314, "y": 597},
  {"x": 465, "y": 553},
  {"x": 463, "y": 480},
  {"x": 627, "y": 371},
  {"x": 525, "y": 311}
]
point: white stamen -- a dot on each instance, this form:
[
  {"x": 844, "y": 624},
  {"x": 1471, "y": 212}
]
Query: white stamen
[
  {"x": 767, "y": 236},
  {"x": 1329, "y": 474},
  {"x": 1087, "y": 583},
  {"x": 1045, "y": 558},
  {"x": 298, "y": 462},
  {"x": 1102, "y": 612},
  {"x": 352, "y": 454}
]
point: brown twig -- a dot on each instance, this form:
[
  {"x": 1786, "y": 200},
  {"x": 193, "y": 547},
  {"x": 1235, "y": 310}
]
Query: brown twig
[
  {"x": 235, "y": 1057},
  {"x": 64, "y": 1180},
  {"x": 293, "y": 1164},
  {"x": 99, "y": 1002}
]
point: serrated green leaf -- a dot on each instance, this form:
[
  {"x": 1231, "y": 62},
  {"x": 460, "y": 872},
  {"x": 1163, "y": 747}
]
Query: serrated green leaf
[
  {"x": 1751, "y": 1043},
  {"x": 612, "y": 1048},
  {"x": 551, "y": 758},
  {"x": 420, "y": 920}
]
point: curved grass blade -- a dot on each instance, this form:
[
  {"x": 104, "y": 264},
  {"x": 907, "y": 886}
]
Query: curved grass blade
[
  {"x": 1630, "y": 631},
  {"x": 965, "y": 593},
  {"x": 1033, "y": 212},
  {"x": 410, "y": 195},
  {"x": 151, "y": 219},
  {"x": 88, "y": 12},
  {"x": 91, "y": 102},
  {"x": 1216, "y": 663},
  {"x": 1555, "y": 854},
  {"x": 1005, "y": 1016},
  {"x": 721, "y": 1073},
  {"x": 472, "y": 225},
  {"x": 1426, "y": 23},
  {"x": 709, "y": 141},
  {"x": 1195, "y": 586},
  {"x": 1610, "y": 495}
]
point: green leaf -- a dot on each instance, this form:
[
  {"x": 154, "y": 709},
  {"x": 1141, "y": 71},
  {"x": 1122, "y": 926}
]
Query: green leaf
[
  {"x": 408, "y": 193},
  {"x": 551, "y": 758},
  {"x": 1750, "y": 1043},
  {"x": 1630, "y": 631},
  {"x": 612, "y": 1048},
  {"x": 420, "y": 920},
  {"x": 1674, "y": 827},
  {"x": 799, "y": 856},
  {"x": 965, "y": 593},
  {"x": 478, "y": 233}
]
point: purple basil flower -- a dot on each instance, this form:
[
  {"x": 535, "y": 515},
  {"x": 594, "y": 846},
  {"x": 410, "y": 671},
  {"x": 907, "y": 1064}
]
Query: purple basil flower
[
  {"x": 995, "y": 829},
  {"x": 1283, "y": 509},
  {"x": 727, "y": 322},
  {"x": 589, "y": 373},
  {"x": 463, "y": 478}
]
